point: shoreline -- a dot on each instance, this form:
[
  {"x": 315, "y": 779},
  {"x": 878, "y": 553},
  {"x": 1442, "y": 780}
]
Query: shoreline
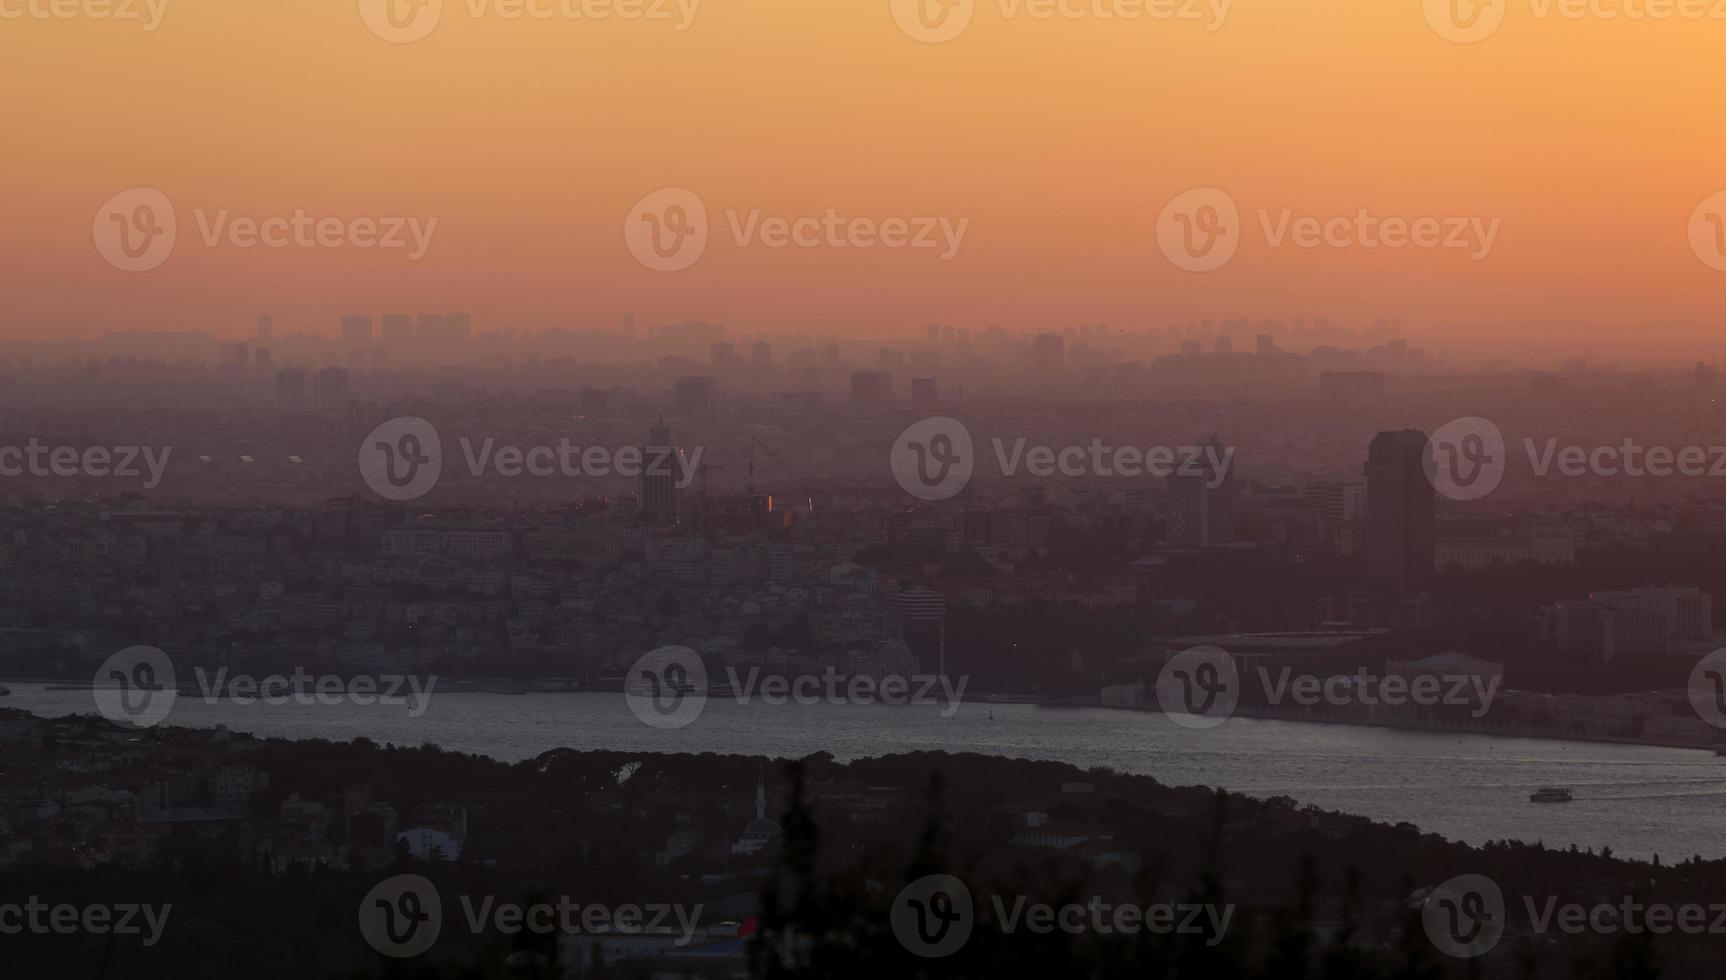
[{"x": 1306, "y": 716}]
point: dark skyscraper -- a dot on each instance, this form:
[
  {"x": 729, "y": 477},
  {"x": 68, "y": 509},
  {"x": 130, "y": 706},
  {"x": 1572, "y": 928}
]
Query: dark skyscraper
[
  {"x": 1399, "y": 514},
  {"x": 659, "y": 476},
  {"x": 1202, "y": 501}
]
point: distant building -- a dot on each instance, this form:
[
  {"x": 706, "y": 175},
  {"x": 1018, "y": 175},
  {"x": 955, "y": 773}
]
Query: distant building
[
  {"x": 595, "y": 402},
  {"x": 692, "y": 396},
  {"x": 398, "y": 329},
  {"x": 356, "y": 330},
  {"x": 1630, "y": 623},
  {"x": 1351, "y": 386},
  {"x": 869, "y": 387},
  {"x": 1400, "y": 509},
  {"x": 291, "y": 389},
  {"x": 659, "y": 476},
  {"x": 923, "y": 393},
  {"x": 1202, "y": 501},
  {"x": 1049, "y": 352},
  {"x": 333, "y": 393},
  {"x": 761, "y": 833}
]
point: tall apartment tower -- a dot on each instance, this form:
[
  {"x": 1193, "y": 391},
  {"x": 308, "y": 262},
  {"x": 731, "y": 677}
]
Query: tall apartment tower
[
  {"x": 1202, "y": 499},
  {"x": 1399, "y": 514},
  {"x": 659, "y": 476}
]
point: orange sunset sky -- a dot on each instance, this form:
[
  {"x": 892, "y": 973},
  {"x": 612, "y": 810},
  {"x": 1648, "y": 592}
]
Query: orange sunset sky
[{"x": 1592, "y": 140}]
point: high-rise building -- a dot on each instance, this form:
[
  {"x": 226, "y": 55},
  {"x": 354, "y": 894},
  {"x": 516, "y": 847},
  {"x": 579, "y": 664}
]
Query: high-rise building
[
  {"x": 291, "y": 389},
  {"x": 595, "y": 402},
  {"x": 333, "y": 393},
  {"x": 869, "y": 387},
  {"x": 356, "y": 329},
  {"x": 1400, "y": 509},
  {"x": 923, "y": 394},
  {"x": 1202, "y": 500},
  {"x": 1049, "y": 352},
  {"x": 429, "y": 328},
  {"x": 692, "y": 396},
  {"x": 398, "y": 329},
  {"x": 659, "y": 476},
  {"x": 266, "y": 324}
]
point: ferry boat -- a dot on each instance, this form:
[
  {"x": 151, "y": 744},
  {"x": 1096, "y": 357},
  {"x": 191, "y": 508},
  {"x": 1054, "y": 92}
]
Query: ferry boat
[{"x": 1550, "y": 794}]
